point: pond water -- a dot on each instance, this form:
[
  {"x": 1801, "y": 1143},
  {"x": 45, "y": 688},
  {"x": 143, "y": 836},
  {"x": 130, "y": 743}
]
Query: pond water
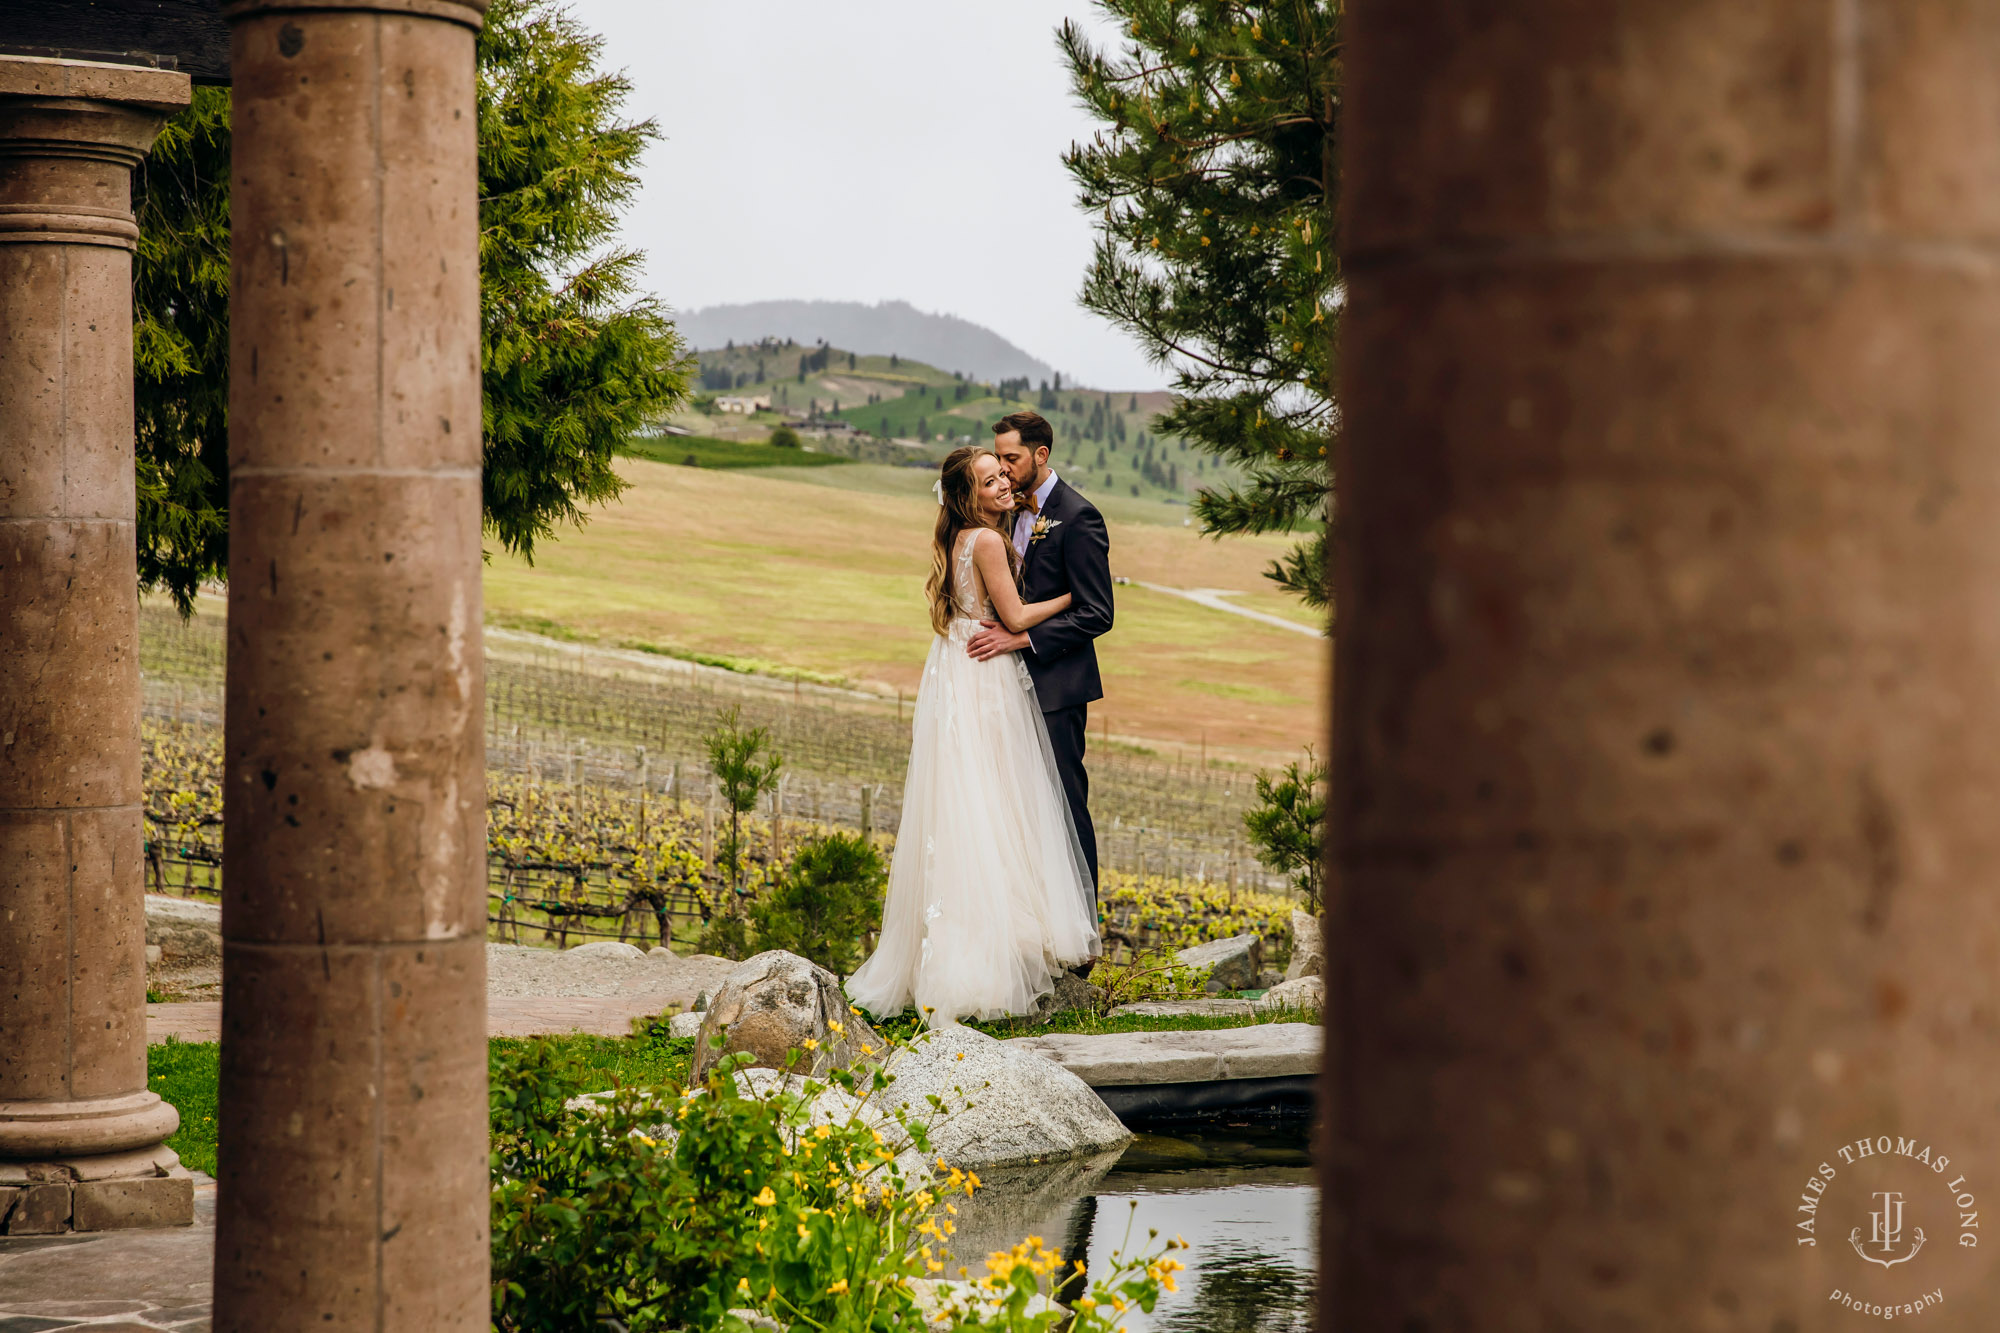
[{"x": 1241, "y": 1192}]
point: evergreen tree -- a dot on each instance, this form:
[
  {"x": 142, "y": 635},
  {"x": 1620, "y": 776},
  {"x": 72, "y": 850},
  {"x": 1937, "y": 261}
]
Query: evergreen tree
[
  {"x": 573, "y": 363},
  {"x": 1215, "y": 181}
]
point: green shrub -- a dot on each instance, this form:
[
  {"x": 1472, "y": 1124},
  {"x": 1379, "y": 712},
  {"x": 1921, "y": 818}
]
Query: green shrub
[
  {"x": 726, "y": 935},
  {"x": 784, "y": 437},
  {"x": 825, "y": 901},
  {"x": 657, "y": 1211},
  {"x": 1286, "y": 825}
]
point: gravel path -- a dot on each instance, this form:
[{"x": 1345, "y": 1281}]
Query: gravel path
[{"x": 601, "y": 969}]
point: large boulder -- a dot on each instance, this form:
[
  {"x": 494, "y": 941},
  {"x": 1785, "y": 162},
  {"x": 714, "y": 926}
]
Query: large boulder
[
  {"x": 773, "y": 1005},
  {"x": 182, "y": 932},
  {"x": 1298, "y": 993},
  {"x": 1003, "y": 1106},
  {"x": 1308, "y": 948},
  {"x": 1070, "y": 994},
  {"x": 604, "y": 949},
  {"x": 1233, "y": 963}
]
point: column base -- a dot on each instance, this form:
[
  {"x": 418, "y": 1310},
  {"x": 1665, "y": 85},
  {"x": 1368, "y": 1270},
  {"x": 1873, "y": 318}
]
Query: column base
[{"x": 110, "y": 1192}]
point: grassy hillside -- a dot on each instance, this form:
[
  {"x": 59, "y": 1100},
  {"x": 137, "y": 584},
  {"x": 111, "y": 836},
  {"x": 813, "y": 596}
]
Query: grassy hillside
[
  {"x": 1104, "y": 440},
  {"x": 705, "y": 451},
  {"x": 753, "y": 565}
]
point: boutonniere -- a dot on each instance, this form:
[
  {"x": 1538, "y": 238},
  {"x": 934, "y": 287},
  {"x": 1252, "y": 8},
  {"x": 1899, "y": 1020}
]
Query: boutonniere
[{"x": 1043, "y": 526}]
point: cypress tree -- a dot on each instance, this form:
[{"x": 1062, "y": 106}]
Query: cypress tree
[
  {"x": 573, "y": 362},
  {"x": 1215, "y": 181}
]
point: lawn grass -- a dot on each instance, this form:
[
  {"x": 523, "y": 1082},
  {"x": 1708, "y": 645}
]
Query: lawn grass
[
  {"x": 185, "y": 1075},
  {"x": 703, "y": 451}
]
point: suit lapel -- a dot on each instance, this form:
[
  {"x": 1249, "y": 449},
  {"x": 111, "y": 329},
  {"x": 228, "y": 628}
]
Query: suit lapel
[{"x": 1031, "y": 564}]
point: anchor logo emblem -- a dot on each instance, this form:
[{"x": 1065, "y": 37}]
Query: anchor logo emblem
[{"x": 1886, "y": 1232}]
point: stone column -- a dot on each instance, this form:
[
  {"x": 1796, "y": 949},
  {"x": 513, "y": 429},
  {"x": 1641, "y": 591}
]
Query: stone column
[
  {"x": 353, "y": 1125},
  {"x": 79, "y": 1133},
  {"x": 1667, "y": 722}
]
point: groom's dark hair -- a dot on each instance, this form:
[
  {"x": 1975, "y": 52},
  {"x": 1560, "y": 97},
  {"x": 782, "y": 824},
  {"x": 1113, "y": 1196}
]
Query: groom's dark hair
[{"x": 1035, "y": 430}]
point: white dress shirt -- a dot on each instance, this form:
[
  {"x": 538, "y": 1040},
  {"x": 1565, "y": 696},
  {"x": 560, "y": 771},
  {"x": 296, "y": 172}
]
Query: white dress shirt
[{"x": 1024, "y": 522}]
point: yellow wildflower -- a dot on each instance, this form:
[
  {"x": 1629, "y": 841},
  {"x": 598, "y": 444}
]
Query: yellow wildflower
[
  {"x": 837, "y": 1288},
  {"x": 743, "y": 1284},
  {"x": 765, "y": 1198}
]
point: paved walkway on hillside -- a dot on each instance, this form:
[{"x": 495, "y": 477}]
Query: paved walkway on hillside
[{"x": 1217, "y": 599}]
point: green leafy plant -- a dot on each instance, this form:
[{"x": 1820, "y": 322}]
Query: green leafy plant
[
  {"x": 653, "y": 1209},
  {"x": 784, "y": 437},
  {"x": 573, "y": 361},
  {"x": 1287, "y": 823},
  {"x": 725, "y": 935},
  {"x": 745, "y": 768},
  {"x": 826, "y": 900},
  {"x": 1146, "y": 975}
]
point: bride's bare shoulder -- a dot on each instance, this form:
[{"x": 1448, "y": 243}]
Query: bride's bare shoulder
[{"x": 981, "y": 539}]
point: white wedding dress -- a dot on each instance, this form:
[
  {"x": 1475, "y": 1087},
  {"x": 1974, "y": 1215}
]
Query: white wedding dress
[{"x": 988, "y": 896}]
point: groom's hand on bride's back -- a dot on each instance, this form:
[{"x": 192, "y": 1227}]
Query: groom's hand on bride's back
[{"x": 994, "y": 640}]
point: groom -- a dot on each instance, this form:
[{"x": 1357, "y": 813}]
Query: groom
[{"x": 1061, "y": 539}]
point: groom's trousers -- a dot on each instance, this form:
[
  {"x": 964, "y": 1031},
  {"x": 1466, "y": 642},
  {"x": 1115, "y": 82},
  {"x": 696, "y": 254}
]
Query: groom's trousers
[{"x": 1067, "y": 729}]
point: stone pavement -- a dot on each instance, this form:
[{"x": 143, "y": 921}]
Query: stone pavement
[{"x": 162, "y": 1277}]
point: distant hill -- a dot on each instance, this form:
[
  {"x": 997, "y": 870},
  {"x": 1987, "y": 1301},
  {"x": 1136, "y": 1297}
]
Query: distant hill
[{"x": 944, "y": 341}]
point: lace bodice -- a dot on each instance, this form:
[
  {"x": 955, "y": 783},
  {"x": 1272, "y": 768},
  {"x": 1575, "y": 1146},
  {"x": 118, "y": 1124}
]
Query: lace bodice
[{"x": 966, "y": 594}]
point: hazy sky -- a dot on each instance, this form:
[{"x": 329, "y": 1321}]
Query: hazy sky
[{"x": 867, "y": 150}]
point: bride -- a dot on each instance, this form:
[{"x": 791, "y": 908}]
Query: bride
[{"x": 988, "y": 896}]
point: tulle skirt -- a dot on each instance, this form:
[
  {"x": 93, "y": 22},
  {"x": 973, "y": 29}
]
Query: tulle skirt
[{"x": 989, "y": 897}]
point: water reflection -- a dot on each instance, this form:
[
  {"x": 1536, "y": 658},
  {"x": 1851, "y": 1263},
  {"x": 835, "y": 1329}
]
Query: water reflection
[{"x": 1242, "y": 1193}]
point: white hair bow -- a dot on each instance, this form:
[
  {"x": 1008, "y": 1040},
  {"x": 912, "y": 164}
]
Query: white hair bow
[{"x": 937, "y": 489}]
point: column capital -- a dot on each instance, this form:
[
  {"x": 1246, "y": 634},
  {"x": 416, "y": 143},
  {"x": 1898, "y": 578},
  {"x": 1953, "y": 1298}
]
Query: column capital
[
  {"x": 471, "y": 13},
  {"x": 61, "y": 123}
]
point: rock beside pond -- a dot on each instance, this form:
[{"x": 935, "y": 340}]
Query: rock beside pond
[
  {"x": 1299, "y": 993},
  {"x": 1109, "y": 1059},
  {"x": 938, "y": 1299},
  {"x": 1071, "y": 993},
  {"x": 1308, "y": 948},
  {"x": 1233, "y": 963},
  {"x": 785, "y": 1011},
  {"x": 1017, "y": 1201},
  {"x": 1022, "y": 1109}
]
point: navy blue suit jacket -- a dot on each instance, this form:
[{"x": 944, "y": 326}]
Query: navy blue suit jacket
[{"x": 1073, "y": 556}]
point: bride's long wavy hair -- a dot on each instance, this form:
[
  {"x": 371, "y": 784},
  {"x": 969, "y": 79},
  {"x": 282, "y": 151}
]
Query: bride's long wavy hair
[{"x": 958, "y": 509}]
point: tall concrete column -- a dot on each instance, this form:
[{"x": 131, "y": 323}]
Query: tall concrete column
[
  {"x": 1667, "y": 800},
  {"x": 79, "y": 1133},
  {"x": 353, "y": 1124}
]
